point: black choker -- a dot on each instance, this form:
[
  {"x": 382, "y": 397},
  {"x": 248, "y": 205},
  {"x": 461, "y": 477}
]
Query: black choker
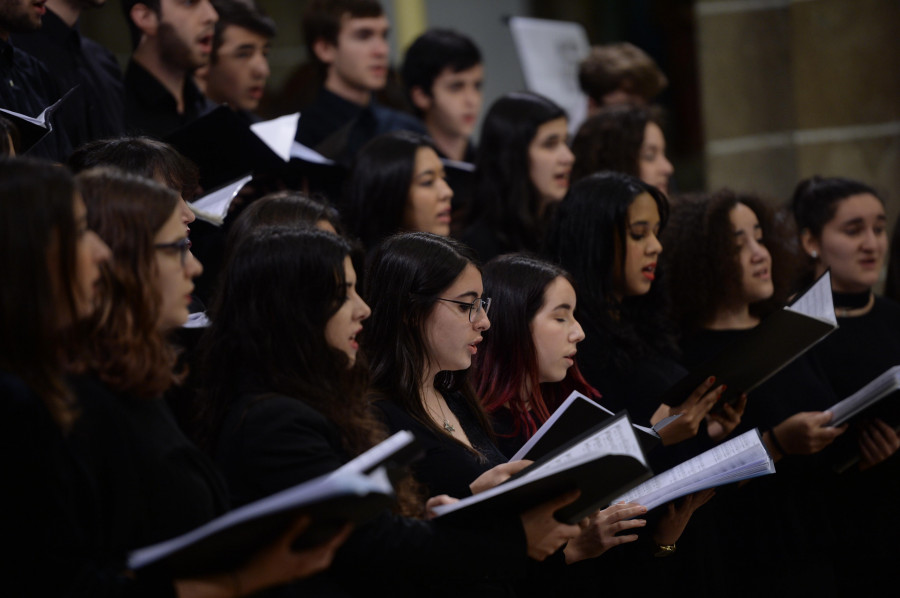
[{"x": 851, "y": 300}]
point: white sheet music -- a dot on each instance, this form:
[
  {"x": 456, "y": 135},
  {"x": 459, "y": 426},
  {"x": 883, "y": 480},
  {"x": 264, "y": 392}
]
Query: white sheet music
[
  {"x": 213, "y": 207},
  {"x": 278, "y": 133},
  {"x": 817, "y": 301},
  {"x": 740, "y": 458}
]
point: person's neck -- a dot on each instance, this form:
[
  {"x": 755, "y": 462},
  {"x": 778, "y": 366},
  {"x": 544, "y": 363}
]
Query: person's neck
[
  {"x": 65, "y": 10},
  {"x": 737, "y": 317},
  {"x": 450, "y": 145},
  {"x": 349, "y": 93},
  {"x": 172, "y": 78}
]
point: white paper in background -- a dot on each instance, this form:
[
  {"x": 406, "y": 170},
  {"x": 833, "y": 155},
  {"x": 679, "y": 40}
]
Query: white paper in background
[
  {"x": 307, "y": 154},
  {"x": 215, "y": 204},
  {"x": 278, "y": 133},
  {"x": 817, "y": 301},
  {"x": 550, "y": 52}
]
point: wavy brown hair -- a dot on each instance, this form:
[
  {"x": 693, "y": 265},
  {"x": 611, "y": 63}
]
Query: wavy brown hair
[
  {"x": 37, "y": 298},
  {"x": 701, "y": 257},
  {"x": 125, "y": 348}
]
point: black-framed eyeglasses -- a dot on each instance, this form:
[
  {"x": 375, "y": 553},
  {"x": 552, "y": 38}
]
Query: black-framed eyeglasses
[
  {"x": 476, "y": 307},
  {"x": 183, "y": 246}
]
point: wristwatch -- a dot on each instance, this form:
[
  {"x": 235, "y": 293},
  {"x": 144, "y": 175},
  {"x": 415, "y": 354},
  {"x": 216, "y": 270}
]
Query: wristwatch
[{"x": 664, "y": 550}]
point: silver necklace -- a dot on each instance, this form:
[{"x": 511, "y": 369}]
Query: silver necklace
[{"x": 447, "y": 425}]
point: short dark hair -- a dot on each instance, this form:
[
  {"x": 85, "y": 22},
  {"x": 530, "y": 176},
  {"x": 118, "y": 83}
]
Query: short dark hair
[
  {"x": 143, "y": 156},
  {"x": 322, "y": 19},
  {"x": 620, "y": 65},
  {"x": 127, "y": 5},
  {"x": 434, "y": 51},
  {"x": 240, "y": 13}
]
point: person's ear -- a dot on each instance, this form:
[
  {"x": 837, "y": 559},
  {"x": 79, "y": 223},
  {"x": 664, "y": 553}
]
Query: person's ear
[
  {"x": 325, "y": 50},
  {"x": 420, "y": 99},
  {"x": 810, "y": 244},
  {"x": 144, "y": 18}
]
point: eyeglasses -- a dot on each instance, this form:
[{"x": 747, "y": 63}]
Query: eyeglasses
[
  {"x": 181, "y": 245},
  {"x": 476, "y": 307}
]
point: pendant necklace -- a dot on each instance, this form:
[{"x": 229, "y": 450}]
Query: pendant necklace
[{"x": 447, "y": 425}]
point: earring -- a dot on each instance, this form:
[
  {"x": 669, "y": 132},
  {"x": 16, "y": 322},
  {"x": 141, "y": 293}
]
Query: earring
[{"x": 814, "y": 254}]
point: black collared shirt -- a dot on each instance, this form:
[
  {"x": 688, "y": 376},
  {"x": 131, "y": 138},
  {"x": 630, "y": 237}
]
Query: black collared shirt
[
  {"x": 96, "y": 109},
  {"x": 27, "y": 88},
  {"x": 151, "y": 110}
]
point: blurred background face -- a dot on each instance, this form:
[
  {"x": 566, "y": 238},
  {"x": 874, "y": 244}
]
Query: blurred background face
[
  {"x": 21, "y": 16},
  {"x": 185, "y": 33},
  {"x": 653, "y": 166},
  {"x": 753, "y": 257},
  {"x": 428, "y": 206},
  {"x": 239, "y": 73},
  {"x": 455, "y": 101},
  {"x": 853, "y": 243},
  {"x": 550, "y": 160}
]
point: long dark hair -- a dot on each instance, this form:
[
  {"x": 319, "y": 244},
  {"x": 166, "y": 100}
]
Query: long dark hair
[
  {"x": 587, "y": 238},
  {"x": 379, "y": 185},
  {"x": 406, "y": 275},
  {"x": 701, "y": 257},
  {"x": 612, "y": 140},
  {"x": 126, "y": 350},
  {"x": 814, "y": 204},
  {"x": 504, "y": 196},
  {"x": 37, "y": 298},
  {"x": 506, "y": 362},
  {"x": 279, "y": 289}
]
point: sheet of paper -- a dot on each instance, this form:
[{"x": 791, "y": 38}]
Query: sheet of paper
[
  {"x": 278, "y": 133},
  {"x": 617, "y": 438},
  {"x": 743, "y": 455},
  {"x": 377, "y": 454},
  {"x": 573, "y": 396},
  {"x": 300, "y": 151},
  {"x": 550, "y": 53},
  {"x": 817, "y": 301},
  {"x": 216, "y": 203},
  {"x": 886, "y": 383}
]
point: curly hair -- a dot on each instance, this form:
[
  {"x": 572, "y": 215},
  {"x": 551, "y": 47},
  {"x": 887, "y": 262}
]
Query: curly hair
[
  {"x": 701, "y": 257},
  {"x": 126, "y": 350}
]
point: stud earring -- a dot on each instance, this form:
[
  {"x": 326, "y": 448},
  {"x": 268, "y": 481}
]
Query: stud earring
[{"x": 814, "y": 254}]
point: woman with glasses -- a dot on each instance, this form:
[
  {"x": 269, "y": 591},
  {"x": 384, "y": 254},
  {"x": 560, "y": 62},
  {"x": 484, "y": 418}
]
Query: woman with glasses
[{"x": 429, "y": 317}]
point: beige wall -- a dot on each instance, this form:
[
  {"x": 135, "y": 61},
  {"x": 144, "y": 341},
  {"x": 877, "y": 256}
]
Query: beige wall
[{"x": 795, "y": 88}]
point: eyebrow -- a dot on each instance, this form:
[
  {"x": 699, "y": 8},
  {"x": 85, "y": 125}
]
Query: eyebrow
[
  {"x": 562, "y": 306},
  {"x": 471, "y": 294},
  {"x": 430, "y": 172}
]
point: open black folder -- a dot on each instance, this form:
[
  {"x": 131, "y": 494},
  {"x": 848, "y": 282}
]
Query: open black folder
[
  {"x": 33, "y": 129},
  {"x": 356, "y": 492},
  {"x": 602, "y": 463},
  {"x": 575, "y": 416},
  {"x": 774, "y": 343}
]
